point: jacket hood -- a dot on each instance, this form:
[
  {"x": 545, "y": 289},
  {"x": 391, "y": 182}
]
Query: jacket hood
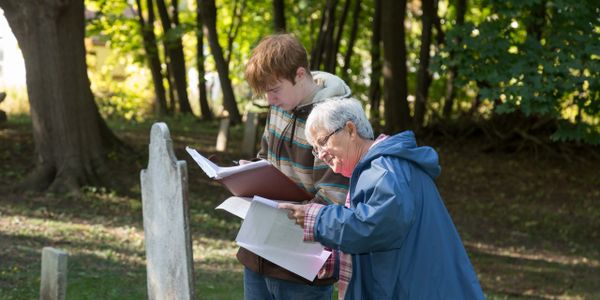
[
  {"x": 404, "y": 146},
  {"x": 332, "y": 87}
]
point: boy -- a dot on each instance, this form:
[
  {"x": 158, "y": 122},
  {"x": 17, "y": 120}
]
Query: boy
[{"x": 278, "y": 69}]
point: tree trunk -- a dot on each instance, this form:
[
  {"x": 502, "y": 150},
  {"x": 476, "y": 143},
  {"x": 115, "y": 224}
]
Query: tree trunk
[
  {"x": 351, "y": 40},
  {"x": 397, "y": 115},
  {"x": 209, "y": 14},
  {"x": 170, "y": 81},
  {"x": 461, "y": 9},
  {"x": 423, "y": 76},
  {"x": 319, "y": 53},
  {"x": 536, "y": 21},
  {"x": 236, "y": 23},
  {"x": 175, "y": 52},
  {"x": 70, "y": 136},
  {"x": 335, "y": 49},
  {"x": 327, "y": 54},
  {"x": 437, "y": 24},
  {"x": 147, "y": 28},
  {"x": 375, "y": 88},
  {"x": 205, "y": 112},
  {"x": 279, "y": 16}
]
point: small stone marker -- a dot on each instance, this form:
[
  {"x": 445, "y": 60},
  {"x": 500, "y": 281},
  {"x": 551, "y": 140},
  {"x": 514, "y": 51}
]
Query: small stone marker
[
  {"x": 2, "y": 113},
  {"x": 169, "y": 262},
  {"x": 53, "y": 284},
  {"x": 223, "y": 135},
  {"x": 249, "y": 141}
]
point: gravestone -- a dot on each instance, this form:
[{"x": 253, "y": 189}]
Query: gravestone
[
  {"x": 53, "y": 285},
  {"x": 169, "y": 262},
  {"x": 2, "y": 113},
  {"x": 249, "y": 141},
  {"x": 223, "y": 135}
]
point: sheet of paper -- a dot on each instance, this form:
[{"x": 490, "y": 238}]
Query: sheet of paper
[
  {"x": 216, "y": 172},
  {"x": 207, "y": 166},
  {"x": 269, "y": 233},
  {"x": 239, "y": 205},
  {"x": 236, "y": 205}
]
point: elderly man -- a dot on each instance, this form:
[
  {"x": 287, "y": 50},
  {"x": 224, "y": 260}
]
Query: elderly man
[{"x": 397, "y": 237}]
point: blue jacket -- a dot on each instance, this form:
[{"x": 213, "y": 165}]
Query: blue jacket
[{"x": 403, "y": 242}]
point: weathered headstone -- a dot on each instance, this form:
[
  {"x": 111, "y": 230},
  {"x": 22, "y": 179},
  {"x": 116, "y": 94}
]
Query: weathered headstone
[
  {"x": 169, "y": 262},
  {"x": 2, "y": 113},
  {"x": 249, "y": 141},
  {"x": 223, "y": 135},
  {"x": 53, "y": 285}
]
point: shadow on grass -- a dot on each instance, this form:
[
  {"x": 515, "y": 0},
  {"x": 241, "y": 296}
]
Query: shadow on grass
[
  {"x": 97, "y": 275},
  {"x": 513, "y": 274}
]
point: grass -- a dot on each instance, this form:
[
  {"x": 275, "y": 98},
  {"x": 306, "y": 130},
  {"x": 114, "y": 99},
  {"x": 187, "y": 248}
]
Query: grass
[{"x": 531, "y": 226}]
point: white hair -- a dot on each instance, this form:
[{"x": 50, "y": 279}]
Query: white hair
[{"x": 333, "y": 113}]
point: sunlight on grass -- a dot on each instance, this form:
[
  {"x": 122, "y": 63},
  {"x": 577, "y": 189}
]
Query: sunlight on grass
[
  {"x": 105, "y": 262},
  {"x": 536, "y": 255},
  {"x": 527, "y": 273}
]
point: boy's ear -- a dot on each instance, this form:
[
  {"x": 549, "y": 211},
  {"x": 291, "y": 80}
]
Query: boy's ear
[{"x": 300, "y": 72}]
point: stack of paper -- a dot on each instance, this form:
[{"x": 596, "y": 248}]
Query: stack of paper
[{"x": 269, "y": 233}]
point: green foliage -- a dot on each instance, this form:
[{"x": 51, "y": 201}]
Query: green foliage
[
  {"x": 552, "y": 75},
  {"x": 116, "y": 61},
  {"x": 122, "y": 93},
  {"x": 115, "y": 24}
]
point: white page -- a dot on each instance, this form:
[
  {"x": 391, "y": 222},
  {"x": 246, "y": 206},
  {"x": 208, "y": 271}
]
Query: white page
[
  {"x": 239, "y": 205},
  {"x": 207, "y": 166},
  {"x": 216, "y": 172},
  {"x": 236, "y": 205},
  {"x": 269, "y": 233}
]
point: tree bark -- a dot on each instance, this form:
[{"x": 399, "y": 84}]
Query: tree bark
[
  {"x": 147, "y": 28},
  {"x": 70, "y": 136},
  {"x": 375, "y": 87},
  {"x": 205, "y": 112},
  {"x": 236, "y": 23},
  {"x": 335, "y": 49},
  {"x": 170, "y": 81},
  {"x": 175, "y": 52},
  {"x": 319, "y": 53},
  {"x": 439, "y": 36},
  {"x": 209, "y": 15},
  {"x": 327, "y": 54},
  {"x": 397, "y": 115},
  {"x": 536, "y": 20},
  {"x": 351, "y": 40},
  {"x": 423, "y": 76},
  {"x": 461, "y": 9},
  {"x": 279, "y": 24}
]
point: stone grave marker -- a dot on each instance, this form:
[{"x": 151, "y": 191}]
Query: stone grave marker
[
  {"x": 164, "y": 183},
  {"x": 223, "y": 135},
  {"x": 249, "y": 141},
  {"x": 53, "y": 285}
]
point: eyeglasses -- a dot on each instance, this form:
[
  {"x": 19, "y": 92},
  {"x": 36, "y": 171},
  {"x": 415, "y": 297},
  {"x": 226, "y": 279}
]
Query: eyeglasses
[{"x": 318, "y": 148}]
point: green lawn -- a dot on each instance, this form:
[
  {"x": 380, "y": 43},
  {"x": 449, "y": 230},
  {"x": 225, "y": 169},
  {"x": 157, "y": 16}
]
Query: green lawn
[{"x": 530, "y": 225}]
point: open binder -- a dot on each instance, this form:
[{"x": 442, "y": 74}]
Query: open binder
[
  {"x": 259, "y": 178},
  {"x": 266, "y": 230}
]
